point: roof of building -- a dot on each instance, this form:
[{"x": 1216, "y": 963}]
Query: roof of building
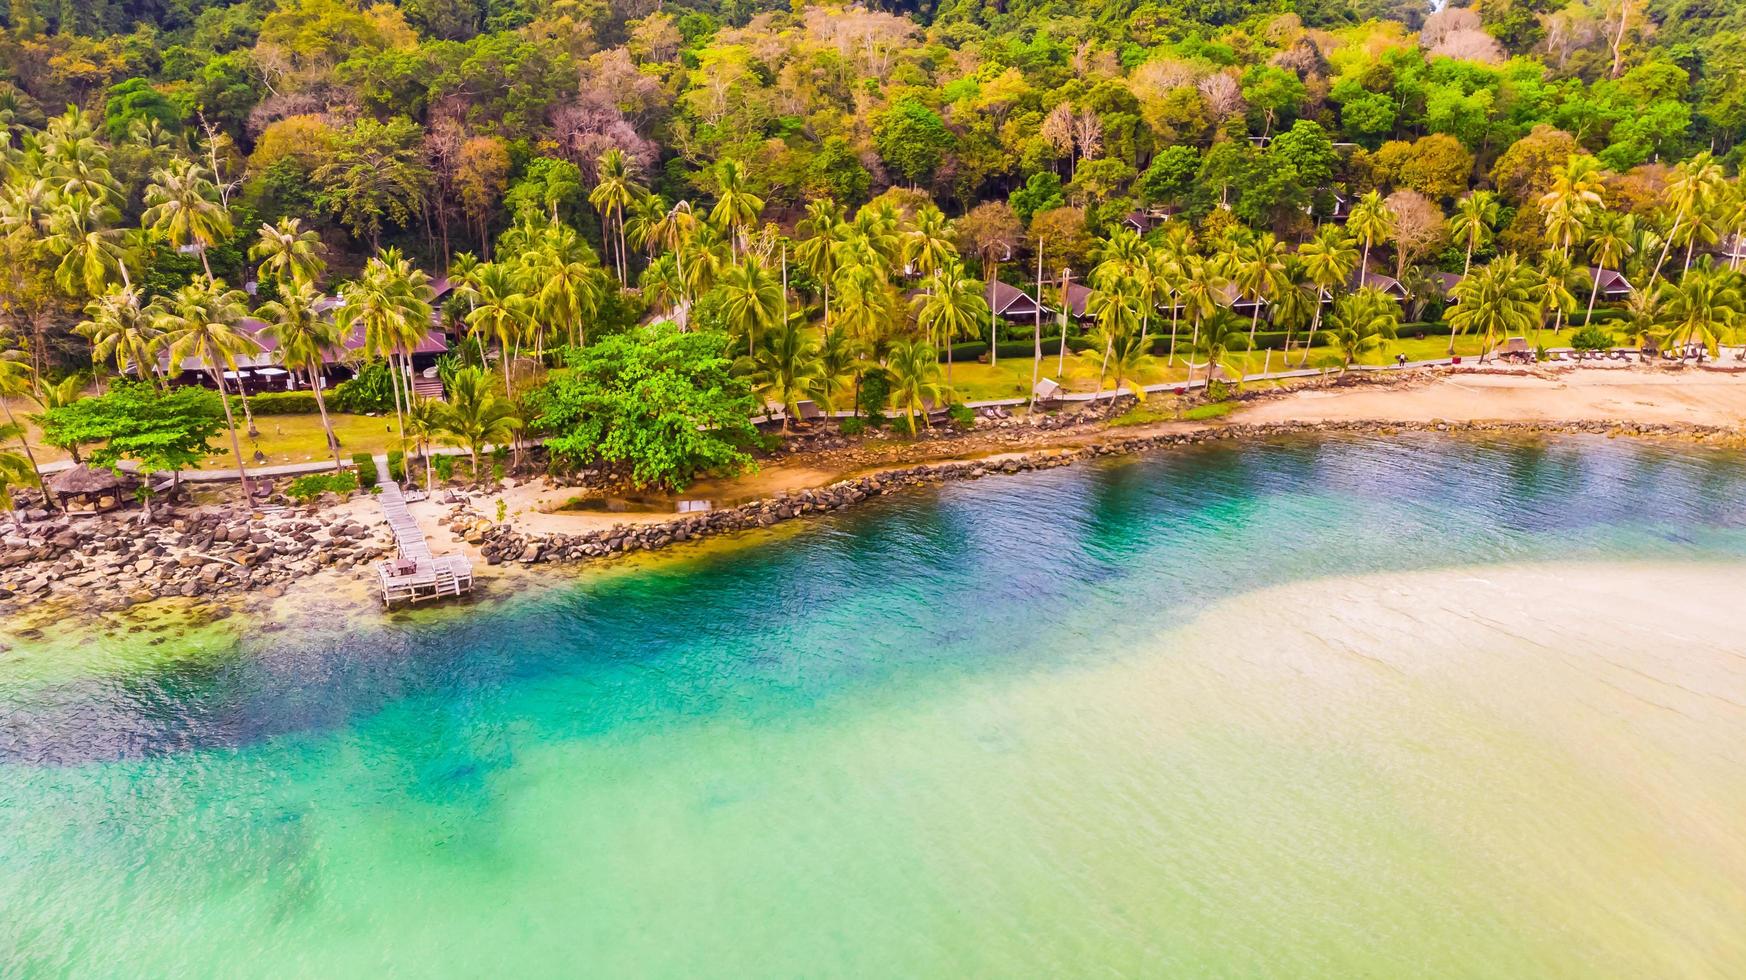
[{"x": 82, "y": 479}]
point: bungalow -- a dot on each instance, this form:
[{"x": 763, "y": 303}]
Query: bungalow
[
  {"x": 1078, "y": 297},
  {"x": 1237, "y": 303},
  {"x": 1145, "y": 221},
  {"x": 1013, "y": 304},
  {"x": 1446, "y": 283},
  {"x": 261, "y": 370},
  {"x": 1610, "y": 284},
  {"x": 1376, "y": 280}
]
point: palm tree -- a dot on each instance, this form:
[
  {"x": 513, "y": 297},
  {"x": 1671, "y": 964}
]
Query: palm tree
[
  {"x": 288, "y": 252},
  {"x": 82, "y": 235},
  {"x": 476, "y": 416},
  {"x": 1612, "y": 242},
  {"x": 1690, "y": 194},
  {"x": 817, "y": 252},
  {"x": 1704, "y": 303},
  {"x": 751, "y": 299},
  {"x": 1472, "y": 223},
  {"x": 1552, "y": 290},
  {"x": 1297, "y": 304},
  {"x": 391, "y": 302},
  {"x": 1497, "y": 300},
  {"x": 1216, "y": 339},
  {"x": 501, "y": 312},
  {"x": 1575, "y": 193},
  {"x": 199, "y": 322},
  {"x": 305, "y": 338},
  {"x": 614, "y": 191},
  {"x": 927, "y": 248},
  {"x": 424, "y": 423},
  {"x": 1125, "y": 358},
  {"x": 953, "y": 306},
  {"x": 180, "y": 206},
  {"x": 838, "y": 353},
  {"x": 1362, "y": 320},
  {"x": 1371, "y": 222},
  {"x": 915, "y": 379},
  {"x": 736, "y": 207},
  {"x": 783, "y": 368},
  {"x": 1258, "y": 270},
  {"x": 1114, "y": 307},
  {"x": 1202, "y": 288},
  {"x": 15, "y": 471},
  {"x": 16, "y": 379},
  {"x": 122, "y": 331},
  {"x": 1328, "y": 260}
]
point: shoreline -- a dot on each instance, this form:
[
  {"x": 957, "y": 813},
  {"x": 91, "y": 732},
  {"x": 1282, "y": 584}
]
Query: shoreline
[{"x": 218, "y": 563}]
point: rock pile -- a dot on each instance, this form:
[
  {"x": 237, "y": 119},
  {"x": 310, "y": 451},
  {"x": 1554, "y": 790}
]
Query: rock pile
[{"x": 116, "y": 562}]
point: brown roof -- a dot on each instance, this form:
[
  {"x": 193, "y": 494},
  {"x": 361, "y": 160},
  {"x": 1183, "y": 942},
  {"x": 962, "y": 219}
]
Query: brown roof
[{"x": 83, "y": 479}]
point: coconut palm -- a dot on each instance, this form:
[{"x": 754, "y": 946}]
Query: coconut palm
[
  {"x": 1552, "y": 279},
  {"x": 181, "y": 207},
  {"x": 1329, "y": 259},
  {"x": 1472, "y": 224},
  {"x": 1612, "y": 242},
  {"x": 784, "y": 368},
  {"x": 476, "y": 416},
  {"x": 82, "y": 235},
  {"x": 16, "y": 379},
  {"x": 1497, "y": 300},
  {"x": 736, "y": 207},
  {"x": 953, "y": 306},
  {"x": 751, "y": 299},
  {"x": 838, "y": 353},
  {"x": 1202, "y": 289},
  {"x": 1125, "y": 357},
  {"x": 390, "y": 300},
  {"x": 122, "y": 331},
  {"x": 1371, "y": 223},
  {"x": 305, "y": 340},
  {"x": 817, "y": 251},
  {"x": 914, "y": 366},
  {"x": 1576, "y": 192},
  {"x": 424, "y": 423},
  {"x": 615, "y": 189},
  {"x": 1258, "y": 271},
  {"x": 1218, "y": 339},
  {"x": 501, "y": 313},
  {"x": 199, "y": 323},
  {"x": 1114, "y": 306},
  {"x": 15, "y": 471},
  {"x": 288, "y": 252},
  {"x": 928, "y": 248},
  {"x": 1706, "y": 302},
  {"x": 1690, "y": 194},
  {"x": 1362, "y": 320}
]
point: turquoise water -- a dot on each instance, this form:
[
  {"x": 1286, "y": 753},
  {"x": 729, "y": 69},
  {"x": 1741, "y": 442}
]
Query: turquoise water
[{"x": 1351, "y": 707}]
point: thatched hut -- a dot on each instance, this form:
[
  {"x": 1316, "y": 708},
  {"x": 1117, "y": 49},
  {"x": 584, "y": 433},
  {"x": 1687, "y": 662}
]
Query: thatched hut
[{"x": 82, "y": 489}]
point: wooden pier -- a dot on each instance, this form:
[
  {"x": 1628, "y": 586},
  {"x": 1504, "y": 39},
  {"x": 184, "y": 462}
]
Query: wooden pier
[{"x": 416, "y": 575}]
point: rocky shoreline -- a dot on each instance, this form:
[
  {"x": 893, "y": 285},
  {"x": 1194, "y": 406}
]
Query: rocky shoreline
[
  {"x": 502, "y": 543},
  {"x": 96, "y": 565}
]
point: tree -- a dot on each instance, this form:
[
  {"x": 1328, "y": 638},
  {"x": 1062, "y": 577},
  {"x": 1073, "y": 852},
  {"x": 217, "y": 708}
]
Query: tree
[
  {"x": 182, "y": 209},
  {"x": 736, "y": 207},
  {"x": 1497, "y": 300},
  {"x": 82, "y": 235},
  {"x": 1419, "y": 228},
  {"x": 1611, "y": 243},
  {"x": 377, "y": 175},
  {"x": 1704, "y": 304},
  {"x": 475, "y": 415},
  {"x": 1472, "y": 225},
  {"x": 1217, "y": 338},
  {"x": 1370, "y": 222},
  {"x": 305, "y": 338},
  {"x": 664, "y": 404},
  {"x": 784, "y": 367},
  {"x": 121, "y": 331},
  {"x": 1329, "y": 260},
  {"x": 288, "y": 252},
  {"x": 168, "y": 430},
  {"x": 952, "y": 305},
  {"x": 914, "y": 367},
  {"x": 1362, "y": 320},
  {"x": 500, "y": 311},
  {"x": 1574, "y": 195},
  {"x": 481, "y": 176},
  {"x": 15, "y": 471},
  {"x": 614, "y": 191},
  {"x": 751, "y": 299},
  {"x": 391, "y": 302},
  {"x": 16, "y": 379},
  {"x": 912, "y": 139},
  {"x": 199, "y": 322}
]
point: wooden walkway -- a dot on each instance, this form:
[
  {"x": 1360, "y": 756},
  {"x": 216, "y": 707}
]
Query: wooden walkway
[{"x": 416, "y": 575}]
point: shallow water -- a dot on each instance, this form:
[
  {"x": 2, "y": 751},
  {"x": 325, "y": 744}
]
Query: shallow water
[{"x": 1420, "y": 707}]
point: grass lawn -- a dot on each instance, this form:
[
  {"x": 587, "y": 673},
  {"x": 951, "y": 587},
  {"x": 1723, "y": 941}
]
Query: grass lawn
[{"x": 298, "y": 439}]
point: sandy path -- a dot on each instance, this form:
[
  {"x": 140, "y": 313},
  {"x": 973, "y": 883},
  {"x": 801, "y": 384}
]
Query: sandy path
[{"x": 1599, "y": 394}]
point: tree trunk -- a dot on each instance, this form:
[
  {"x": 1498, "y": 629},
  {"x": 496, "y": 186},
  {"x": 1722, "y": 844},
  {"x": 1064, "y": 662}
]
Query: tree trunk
[
  {"x": 326, "y": 425},
  {"x": 235, "y": 445},
  {"x": 24, "y": 443}
]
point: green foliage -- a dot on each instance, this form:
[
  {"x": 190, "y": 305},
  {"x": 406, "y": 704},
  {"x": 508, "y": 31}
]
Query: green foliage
[
  {"x": 279, "y": 403},
  {"x": 912, "y": 139},
  {"x": 852, "y": 426},
  {"x": 875, "y": 394},
  {"x": 370, "y": 392},
  {"x": 396, "y": 466},
  {"x": 445, "y": 468},
  {"x": 136, "y": 101},
  {"x": 1216, "y": 409},
  {"x": 156, "y": 430},
  {"x": 1170, "y": 177},
  {"x": 1592, "y": 338},
  {"x": 364, "y": 465},
  {"x": 303, "y": 489},
  {"x": 1042, "y": 192},
  {"x": 962, "y": 415},
  {"x": 663, "y": 403}
]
